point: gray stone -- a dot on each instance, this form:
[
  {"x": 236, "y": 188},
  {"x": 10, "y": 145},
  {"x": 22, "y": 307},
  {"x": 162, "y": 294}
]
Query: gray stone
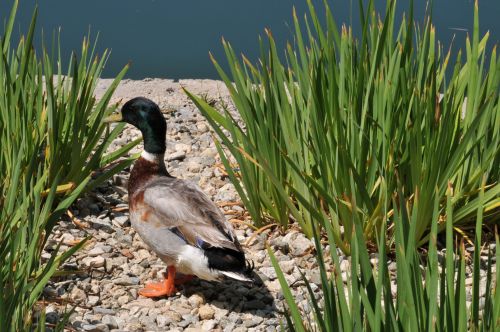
[
  {"x": 226, "y": 194},
  {"x": 208, "y": 325},
  {"x": 180, "y": 308},
  {"x": 97, "y": 251},
  {"x": 124, "y": 299},
  {"x": 163, "y": 320},
  {"x": 274, "y": 286},
  {"x": 121, "y": 221},
  {"x": 78, "y": 295},
  {"x": 192, "y": 329},
  {"x": 194, "y": 166},
  {"x": 105, "y": 248},
  {"x": 206, "y": 312},
  {"x": 110, "y": 321},
  {"x": 183, "y": 147},
  {"x": 51, "y": 315},
  {"x": 273, "y": 321},
  {"x": 92, "y": 300},
  {"x": 209, "y": 152},
  {"x": 102, "y": 327},
  {"x": 260, "y": 242},
  {"x": 269, "y": 272},
  {"x": 77, "y": 323},
  {"x": 126, "y": 281},
  {"x": 148, "y": 321},
  {"x": 259, "y": 257},
  {"x": 229, "y": 327},
  {"x": 300, "y": 245},
  {"x": 142, "y": 254},
  {"x": 173, "y": 316},
  {"x": 254, "y": 321},
  {"x": 136, "y": 270},
  {"x": 207, "y": 161},
  {"x": 202, "y": 127},
  {"x": 178, "y": 155},
  {"x": 314, "y": 276},
  {"x": 196, "y": 300},
  {"x": 50, "y": 292},
  {"x": 133, "y": 326},
  {"x": 287, "y": 266},
  {"x": 102, "y": 224},
  {"x": 219, "y": 313},
  {"x": 94, "y": 262},
  {"x": 279, "y": 244},
  {"x": 91, "y": 318},
  {"x": 95, "y": 328},
  {"x": 103, "y": 311}
]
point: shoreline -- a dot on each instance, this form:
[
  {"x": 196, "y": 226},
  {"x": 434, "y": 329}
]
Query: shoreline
[{"x": 164, "y": 92}]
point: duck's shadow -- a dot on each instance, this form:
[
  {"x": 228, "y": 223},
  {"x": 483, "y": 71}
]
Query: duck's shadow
[{"x": 235, "y": 296}]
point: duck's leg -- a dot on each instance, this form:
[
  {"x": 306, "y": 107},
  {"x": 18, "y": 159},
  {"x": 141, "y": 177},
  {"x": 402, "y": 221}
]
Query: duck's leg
[
  {"x": 166, "y": 287},
  {"x": 177, "y": 281}
]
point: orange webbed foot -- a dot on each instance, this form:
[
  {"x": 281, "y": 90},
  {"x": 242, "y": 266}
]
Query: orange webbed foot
[
  {"x": 157, "y": 292},
  {"x": 163, "y": 288},
  {"x": 155, "y": 285}
]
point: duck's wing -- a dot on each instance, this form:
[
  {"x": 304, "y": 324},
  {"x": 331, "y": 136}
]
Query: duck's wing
[{"x": 183, "y": 208}]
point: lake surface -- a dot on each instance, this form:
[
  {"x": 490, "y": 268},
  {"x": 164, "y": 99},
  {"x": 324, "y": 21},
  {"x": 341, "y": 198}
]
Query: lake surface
[{"x": 171, "y": 39}]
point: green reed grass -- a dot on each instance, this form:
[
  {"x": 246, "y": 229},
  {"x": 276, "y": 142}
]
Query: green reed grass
[
  {"x": 370, "y": 142},
  {"x": 430, "y": 296},
  {"x": 370, "y": 110},
  {"x": 52, "y": 141}
]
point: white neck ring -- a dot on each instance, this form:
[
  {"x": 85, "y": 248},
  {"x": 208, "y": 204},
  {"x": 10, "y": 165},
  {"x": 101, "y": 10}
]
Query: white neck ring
[{"x": 153, "y": 157}]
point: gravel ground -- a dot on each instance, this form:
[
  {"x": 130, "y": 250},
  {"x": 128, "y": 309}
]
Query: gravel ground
[{"x": 115, "y": 263}]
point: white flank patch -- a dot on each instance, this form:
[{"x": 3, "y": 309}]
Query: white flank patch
[
  {"x": 192, "y": 260},
  {"x": 153, "y": 157}
]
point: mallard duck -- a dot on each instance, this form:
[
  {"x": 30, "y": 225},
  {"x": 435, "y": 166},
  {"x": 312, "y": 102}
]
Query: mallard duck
[{"x": 173, "y": 216}]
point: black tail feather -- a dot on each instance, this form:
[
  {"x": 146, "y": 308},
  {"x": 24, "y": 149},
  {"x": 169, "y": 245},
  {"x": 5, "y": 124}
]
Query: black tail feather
[{"x": 225, "y": 259}]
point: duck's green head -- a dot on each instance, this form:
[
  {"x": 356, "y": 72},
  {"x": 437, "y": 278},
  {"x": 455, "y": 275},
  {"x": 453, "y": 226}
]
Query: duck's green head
[{"x": 145, "y": 115}]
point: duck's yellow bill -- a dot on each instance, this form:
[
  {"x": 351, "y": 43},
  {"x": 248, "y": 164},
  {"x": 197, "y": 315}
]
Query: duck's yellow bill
[{"x": 117, "y": 117}]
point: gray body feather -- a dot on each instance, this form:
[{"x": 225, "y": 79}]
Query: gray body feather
[{"x": 174, "y": 217}]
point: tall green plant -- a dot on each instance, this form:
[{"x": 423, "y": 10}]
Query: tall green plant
[
  {"x": 372, "y": 110},
  {"x": 429, "y": 296},
  {"x": 51, "y": 140}
]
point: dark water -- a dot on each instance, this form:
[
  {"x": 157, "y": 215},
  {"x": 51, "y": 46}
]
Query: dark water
[{"x": 172, "y": 39}]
